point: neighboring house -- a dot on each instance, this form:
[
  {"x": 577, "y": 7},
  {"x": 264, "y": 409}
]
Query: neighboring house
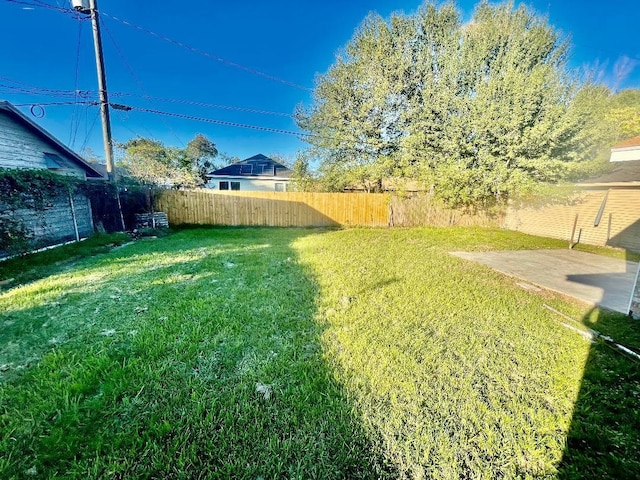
[
  {"x": 627, "y": 150},
  {"x": 604, "y": 210},
  {"x": 258, "y": 173},
  {"x": 26, "y": 145}
]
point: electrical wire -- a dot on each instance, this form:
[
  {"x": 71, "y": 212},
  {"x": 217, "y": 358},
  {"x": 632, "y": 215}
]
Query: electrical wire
[
  {"x": 136, "y": 79},
  {"x": 74, "y": 115},
  {"x": 206, "y": 54},
  {"x": 89, "y": 131},
  {"x": 210, "y": 105},
  {"x": 223, "y": 122},
  {"x": 40, "y": 4},
  {"x": 54, "y": 104},
  {"x": 71, "y": 11},
  {"x": 94, "y": 94},
  {"x": 27, "y": 88}
]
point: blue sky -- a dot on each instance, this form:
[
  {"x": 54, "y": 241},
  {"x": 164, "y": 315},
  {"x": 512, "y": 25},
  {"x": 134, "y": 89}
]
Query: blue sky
[{"x": 228, "y": 51}]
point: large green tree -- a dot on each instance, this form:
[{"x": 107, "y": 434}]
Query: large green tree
[
  {"x": 476, "y": 110},
  {"x": 152, "y": 162},
  {"x": 623, "y": 114}
]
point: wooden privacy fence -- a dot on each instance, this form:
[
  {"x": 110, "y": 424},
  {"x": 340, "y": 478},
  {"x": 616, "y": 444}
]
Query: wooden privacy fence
[
  {"x": 301, "y": 209},
  {"x": 274, "y": 209}
]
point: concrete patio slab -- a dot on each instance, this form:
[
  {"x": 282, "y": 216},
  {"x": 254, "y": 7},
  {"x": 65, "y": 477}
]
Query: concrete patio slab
[{"x": 597, "y": 280}]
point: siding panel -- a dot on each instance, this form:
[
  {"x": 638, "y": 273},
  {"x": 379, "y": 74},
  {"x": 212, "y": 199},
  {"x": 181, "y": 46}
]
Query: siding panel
[{"x": 619, "y": 225}]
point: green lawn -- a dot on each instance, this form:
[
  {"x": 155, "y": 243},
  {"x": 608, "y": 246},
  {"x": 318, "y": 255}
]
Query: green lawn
[{"x": 293, "y": 353}]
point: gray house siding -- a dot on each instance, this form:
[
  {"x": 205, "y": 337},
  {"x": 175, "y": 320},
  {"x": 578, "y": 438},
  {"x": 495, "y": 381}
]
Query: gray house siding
[{"x": 20, "y": 148}]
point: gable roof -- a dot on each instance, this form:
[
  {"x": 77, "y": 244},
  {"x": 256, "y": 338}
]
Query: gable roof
[
  {"x": 257, "y": 166},
  {"x": 629, "y": 143},
  {"x": 624, "y": 174},
  {"x": 45, "y": 136}
]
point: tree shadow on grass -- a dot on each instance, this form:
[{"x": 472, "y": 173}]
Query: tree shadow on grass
[
  {"x": 604, "y": 437},
  {"x": 219, "y": 374}
]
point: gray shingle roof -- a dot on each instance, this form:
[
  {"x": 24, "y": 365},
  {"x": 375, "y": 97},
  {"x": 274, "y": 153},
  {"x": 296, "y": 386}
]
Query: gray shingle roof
[
  {"x": 623, "y": 172},
  {"x": 257, "y": 166}
]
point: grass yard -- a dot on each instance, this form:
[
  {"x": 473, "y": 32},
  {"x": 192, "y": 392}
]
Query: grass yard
[{"x": 294, "y": 353}]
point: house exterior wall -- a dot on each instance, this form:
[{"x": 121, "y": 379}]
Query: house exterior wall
[
  {"x": 20, "y": 148},
  {"x": 619, "y": 224},
  {"x": 249, "y": 184},
  {"x": 625, "y": 154}
]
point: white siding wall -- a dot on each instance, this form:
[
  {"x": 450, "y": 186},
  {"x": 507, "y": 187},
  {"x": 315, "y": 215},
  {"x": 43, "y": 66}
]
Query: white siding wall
[
  {"x": 249, "y": 184},
  {"x": 625, "y": 154},
  {"x": 20, "y": 148}
]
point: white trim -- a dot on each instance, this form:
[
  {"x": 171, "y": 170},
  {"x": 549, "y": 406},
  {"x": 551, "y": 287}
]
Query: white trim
[{"x": 624, "y": 149}]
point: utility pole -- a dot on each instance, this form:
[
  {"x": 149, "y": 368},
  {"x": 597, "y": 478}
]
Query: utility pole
[
  {"x": 92, "y": 9},
  {"x": 102, "y": 87}
]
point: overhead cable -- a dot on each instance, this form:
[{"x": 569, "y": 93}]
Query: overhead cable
[
  {"x": 223, "y": 122},
  {"x": 206, "y": 54},
  {"x": 135, "y": 78}
]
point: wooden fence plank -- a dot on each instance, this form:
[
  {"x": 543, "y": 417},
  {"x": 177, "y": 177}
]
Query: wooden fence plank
[{"x": 301, "y": 209}]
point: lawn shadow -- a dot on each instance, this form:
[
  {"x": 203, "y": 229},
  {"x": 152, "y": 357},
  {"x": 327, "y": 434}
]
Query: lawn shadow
[
  {"x": 209, "y": 367},
  {"x": 604, "y": 437}
]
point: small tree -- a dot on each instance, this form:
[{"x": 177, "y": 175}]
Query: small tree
[
  {"x": 199, "y": 157},
  {"x": 301, "y": 177},
  {"x": 151, "y": 162}
]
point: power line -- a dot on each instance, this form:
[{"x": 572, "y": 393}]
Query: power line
[
  {"x": 223, "y": 122},
  {"x": 54, "y": 104},
  {"x": 176, "y": 115},
  {"x": 89, "y": 131},
  {"x": 40, "y": 4},
  {"x": 27, "y": 88},
  {"x": 211, "y": 105},
  {"x": 74, "y": 117},
  {"x": 136, "y": 79},
  {"x": 207, "y": 54},
  {"x": 87, "y": 93}
]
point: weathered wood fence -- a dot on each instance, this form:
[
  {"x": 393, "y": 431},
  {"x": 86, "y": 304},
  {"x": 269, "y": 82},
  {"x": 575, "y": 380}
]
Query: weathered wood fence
[
  {"x": 617, "y": 211},
  {"x": 285, "y": 209},
  {"x": 66, "y": 217}
]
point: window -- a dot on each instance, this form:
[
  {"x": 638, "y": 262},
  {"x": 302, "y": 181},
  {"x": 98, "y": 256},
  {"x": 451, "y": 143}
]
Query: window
[
  {"x": 53, "y": 161},
  {"x": 235, "y": 185},
  {"x": 224, "y": 185},
  {"x": 279, "y": 187}
]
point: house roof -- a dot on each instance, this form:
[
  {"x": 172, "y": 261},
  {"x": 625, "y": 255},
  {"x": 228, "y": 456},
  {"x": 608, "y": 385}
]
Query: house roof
[
  {"x": 624, "y": 174},
  {"x": 40, "y": 132},
  {"x": 257, "y": 166},
  {"x": 630, "y": 142}
]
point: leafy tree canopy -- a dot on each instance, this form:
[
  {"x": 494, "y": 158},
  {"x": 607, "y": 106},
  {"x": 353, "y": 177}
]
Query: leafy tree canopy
[
  {"x": 152, "y": 162},
  {"x": 476, "y": 111}
]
